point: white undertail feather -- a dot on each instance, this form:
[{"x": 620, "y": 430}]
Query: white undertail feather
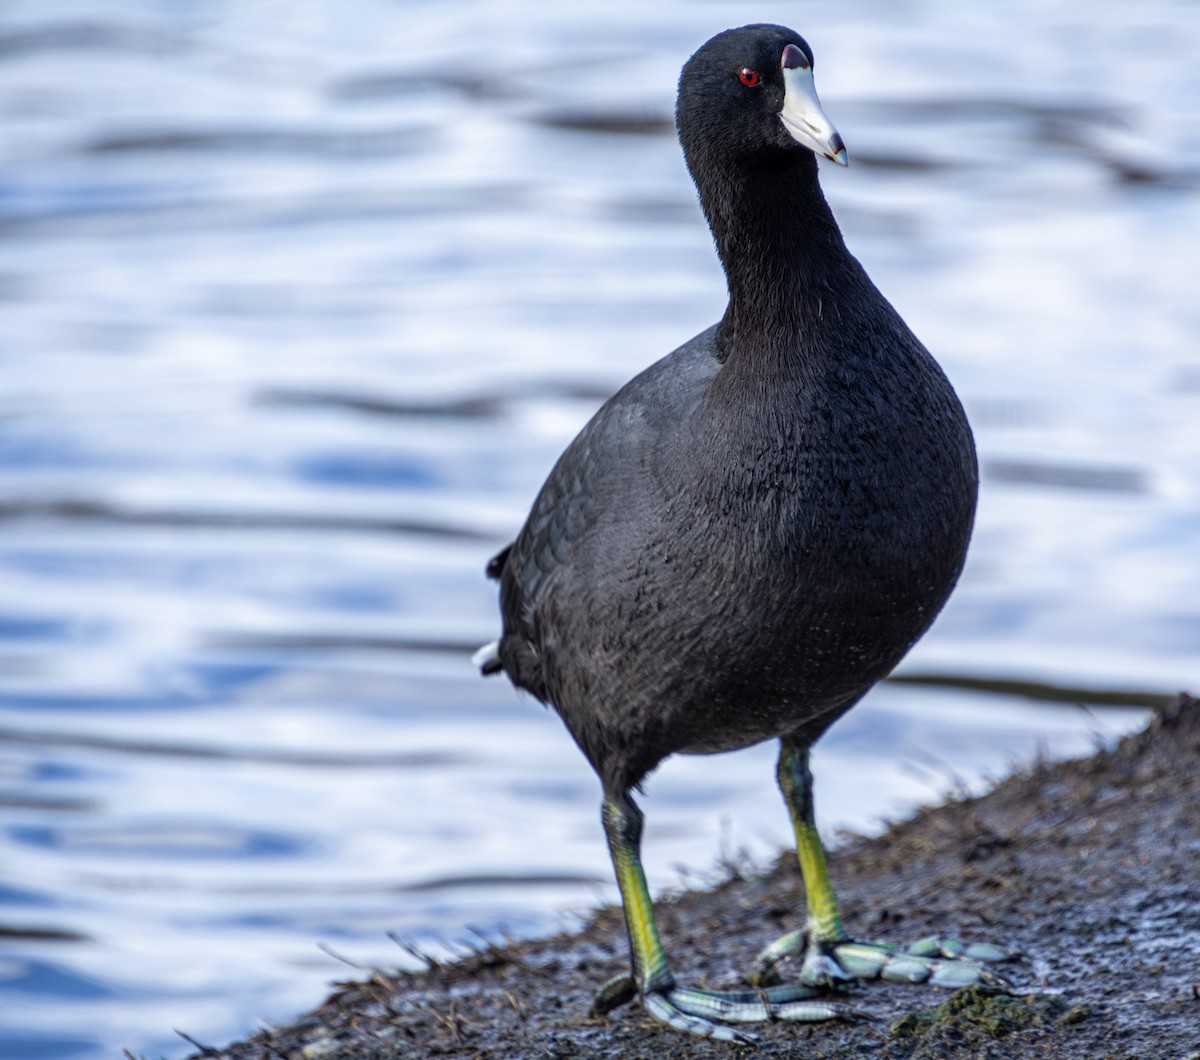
[{"x": 489, "y": 653}]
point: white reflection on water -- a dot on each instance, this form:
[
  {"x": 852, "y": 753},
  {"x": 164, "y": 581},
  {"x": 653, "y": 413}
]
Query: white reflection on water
[{"x": 299, "y": 304}]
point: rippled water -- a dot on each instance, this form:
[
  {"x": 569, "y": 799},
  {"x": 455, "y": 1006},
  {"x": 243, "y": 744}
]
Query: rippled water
[{"x": 298, "y": 303}]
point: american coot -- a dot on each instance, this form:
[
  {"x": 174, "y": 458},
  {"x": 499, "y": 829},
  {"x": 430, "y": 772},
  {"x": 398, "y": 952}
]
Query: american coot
[{"x": 752, "y": 532}]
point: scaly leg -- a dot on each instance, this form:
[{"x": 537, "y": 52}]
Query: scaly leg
[
  {"x": 830, "y": 955},
  {"x": 683, "y": 1008}
]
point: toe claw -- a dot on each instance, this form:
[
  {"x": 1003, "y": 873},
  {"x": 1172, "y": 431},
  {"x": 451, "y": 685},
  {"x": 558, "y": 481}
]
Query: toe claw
[{"x": 990, "y": 977}]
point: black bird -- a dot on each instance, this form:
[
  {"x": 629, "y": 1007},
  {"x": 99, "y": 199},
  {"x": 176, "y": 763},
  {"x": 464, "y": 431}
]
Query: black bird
[{"x": 752, "y": 532}]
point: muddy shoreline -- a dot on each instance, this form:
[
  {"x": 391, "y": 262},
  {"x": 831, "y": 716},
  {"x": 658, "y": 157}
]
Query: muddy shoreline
[{"x": 1090, "y": 868}]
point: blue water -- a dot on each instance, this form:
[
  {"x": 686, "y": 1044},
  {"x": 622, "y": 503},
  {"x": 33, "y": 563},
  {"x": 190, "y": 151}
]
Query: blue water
[{"x": 299, "y": 302}]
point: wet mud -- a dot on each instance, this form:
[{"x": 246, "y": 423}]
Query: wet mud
[{"x": 1090, "y": 868}]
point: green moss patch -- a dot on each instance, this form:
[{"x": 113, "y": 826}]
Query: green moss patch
[{"x": 978, "y": 1011}]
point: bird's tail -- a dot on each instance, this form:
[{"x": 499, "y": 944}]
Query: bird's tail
[{"x": 488, "y": 659}]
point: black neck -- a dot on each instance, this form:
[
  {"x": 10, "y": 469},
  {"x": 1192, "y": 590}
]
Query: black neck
[{"x": 781, "y": 248}]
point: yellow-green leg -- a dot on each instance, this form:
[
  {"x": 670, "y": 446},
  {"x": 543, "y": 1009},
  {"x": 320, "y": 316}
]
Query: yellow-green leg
[
  {"x": 829, "y": 953},
  {"x": 699, "y": 1012},
  {"x": 623, "y": 827},
  {"x": 795, "y": 781}
]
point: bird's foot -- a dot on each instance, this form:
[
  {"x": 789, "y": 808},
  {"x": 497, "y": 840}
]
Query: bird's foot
[
  {"x": 937, "y": 961},
  {"x": 705, "y": 1013}
]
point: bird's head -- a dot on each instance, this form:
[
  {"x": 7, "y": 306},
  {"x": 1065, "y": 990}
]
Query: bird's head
[{"x": 750, "y": 91}]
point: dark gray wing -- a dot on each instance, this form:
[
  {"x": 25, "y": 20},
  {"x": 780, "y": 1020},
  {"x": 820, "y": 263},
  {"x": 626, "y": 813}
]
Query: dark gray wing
[{"x": 606, "y": 468}]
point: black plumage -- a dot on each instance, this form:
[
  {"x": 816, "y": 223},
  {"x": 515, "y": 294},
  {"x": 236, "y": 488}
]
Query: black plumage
[{"x": 754, "y": 530}]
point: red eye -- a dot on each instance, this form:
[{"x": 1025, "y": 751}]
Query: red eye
[{"x": 749, "y": 77}]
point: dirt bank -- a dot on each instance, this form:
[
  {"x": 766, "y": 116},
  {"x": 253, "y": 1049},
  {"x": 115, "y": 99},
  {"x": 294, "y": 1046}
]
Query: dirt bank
[{"x": 1090, "y": 868}]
